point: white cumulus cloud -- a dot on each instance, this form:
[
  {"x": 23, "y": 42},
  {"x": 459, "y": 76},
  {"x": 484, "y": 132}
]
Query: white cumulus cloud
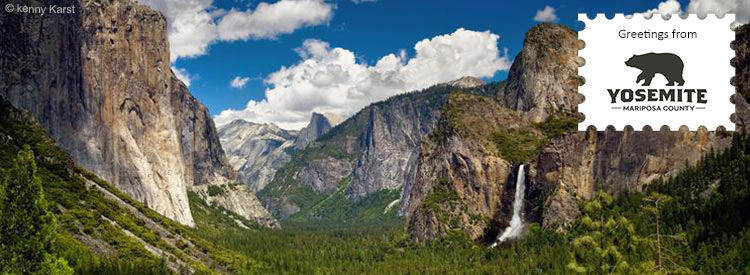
[
  {"x": 268, "y": 21},
  {"x": 703, "y": 7},
  {"x": 667, "y": 7},
  {"x": 194, "y": 24},
  {"x": 239, "y": 82},
  {"x": 546, "y": 15},
  {"x": 332, "y": 80}
]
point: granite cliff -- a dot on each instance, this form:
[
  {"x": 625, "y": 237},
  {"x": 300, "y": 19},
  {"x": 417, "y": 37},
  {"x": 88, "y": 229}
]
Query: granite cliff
[
  {"x": 461, "y": 176},
  {"x": 544, "y": 76},
  {"x": 256, "y": 151},
  {"x": 99, "y": 81}
]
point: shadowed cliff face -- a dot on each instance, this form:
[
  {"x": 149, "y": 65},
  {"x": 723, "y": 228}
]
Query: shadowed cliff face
[
  {"x": 99, "y": 81},
  {"x": 563, "y": 171},
  {"x": 573, "y": 167}
]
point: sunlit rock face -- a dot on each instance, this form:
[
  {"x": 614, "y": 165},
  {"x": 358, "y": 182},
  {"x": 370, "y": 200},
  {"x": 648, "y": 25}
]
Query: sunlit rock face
[
  {"x": 256, "y": 151},
  {"x": 99, "y": 81}
]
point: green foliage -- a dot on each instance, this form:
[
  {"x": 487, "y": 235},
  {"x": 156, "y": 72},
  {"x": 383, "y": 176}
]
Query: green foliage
[
  {"x": 522, "y": 145},
  {"x": 441, "y": 201},
  {"x": 215, "y": 218},
  {"x": 53, "y": 265},
  {"x": 214, "y": 190},
  {"x": 384, "y": 248},
  {"x": 455, "y": 109},
  {"x": 603, "y": 241},
  {"x": 694, "y": 222},
  {"x": 441, "y": 193},
  {"x": 337, "y": 207},
  {"x": 518, "y": 145},
  {"x": 709, "y": 209},
  {"x": 556, "y": 125},
  {"x": 26, "y": 226}
]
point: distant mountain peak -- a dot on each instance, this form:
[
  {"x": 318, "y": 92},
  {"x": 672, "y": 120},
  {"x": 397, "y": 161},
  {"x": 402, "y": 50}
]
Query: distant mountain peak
[
  {"x": 255, "y": 125},
  {"x": 239, "y": 122},
  {"x": 466, "y": 82},
  {"x": 318, "y": 126}
]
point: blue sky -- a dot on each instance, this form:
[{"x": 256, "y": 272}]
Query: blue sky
[{"x": 371, "y": 30}]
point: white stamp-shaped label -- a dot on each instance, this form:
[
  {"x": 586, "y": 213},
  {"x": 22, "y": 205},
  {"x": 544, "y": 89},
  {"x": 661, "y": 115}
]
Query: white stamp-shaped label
[{"x": 657, "y": 72}]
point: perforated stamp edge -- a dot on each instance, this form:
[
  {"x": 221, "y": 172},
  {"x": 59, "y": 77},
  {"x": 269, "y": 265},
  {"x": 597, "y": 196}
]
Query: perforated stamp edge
[{"x": 601, "y": 123}]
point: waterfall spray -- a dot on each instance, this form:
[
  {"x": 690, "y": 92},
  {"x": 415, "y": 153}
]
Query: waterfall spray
[{"x": 516, "y": 222}]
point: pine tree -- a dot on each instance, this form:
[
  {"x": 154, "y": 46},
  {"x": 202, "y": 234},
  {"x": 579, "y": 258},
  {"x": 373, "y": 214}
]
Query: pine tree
[
  {"x": 26, "y": 226},
  {"x": 599, "y": 248},
  {"x": 656, "y": 202}
]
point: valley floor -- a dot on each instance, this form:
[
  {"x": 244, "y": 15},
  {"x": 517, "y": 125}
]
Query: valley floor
[{"x": 385, "y": 249}]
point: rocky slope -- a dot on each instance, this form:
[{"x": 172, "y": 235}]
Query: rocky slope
[
  {"x": 97, "y": 221},
  {"x": 99, "y": 81},
  {"x": 578, "y": 164},
  {"x": 374, "y": 151},
  {"x": 256, "y": 151},
  {"x": 565, "y": 166}
]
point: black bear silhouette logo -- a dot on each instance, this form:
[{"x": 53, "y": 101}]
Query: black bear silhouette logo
[{"x": 668, "y": 64}]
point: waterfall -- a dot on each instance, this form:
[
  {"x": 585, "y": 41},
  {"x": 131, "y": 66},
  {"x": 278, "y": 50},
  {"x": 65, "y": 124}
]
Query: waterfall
[{"x": 516, "y": 222}]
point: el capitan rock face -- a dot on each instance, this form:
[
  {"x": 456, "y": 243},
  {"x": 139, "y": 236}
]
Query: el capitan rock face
[{"x": 99, "y": 81}]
